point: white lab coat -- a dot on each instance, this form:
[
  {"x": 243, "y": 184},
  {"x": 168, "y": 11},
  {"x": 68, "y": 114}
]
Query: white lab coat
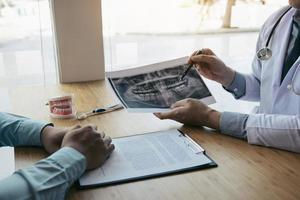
[{"x": 276, "y": 122}]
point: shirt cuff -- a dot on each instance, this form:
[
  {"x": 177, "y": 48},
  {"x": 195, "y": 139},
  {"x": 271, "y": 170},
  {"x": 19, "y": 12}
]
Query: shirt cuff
[
  {"x": 54, "y": 175},
  {"x": 234, "y": 124},
  {"x": 237, "y": 86},
  {"x": 14, "y": 187},
  {"x": 71, "y": 160},
  {"x": 31, "y": 132}
]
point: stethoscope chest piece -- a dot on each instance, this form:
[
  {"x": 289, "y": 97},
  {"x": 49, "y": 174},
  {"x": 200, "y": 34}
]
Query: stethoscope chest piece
[{"x": 264, "y": 54}]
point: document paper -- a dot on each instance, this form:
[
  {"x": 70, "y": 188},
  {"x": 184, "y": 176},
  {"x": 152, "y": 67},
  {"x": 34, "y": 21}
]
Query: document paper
[
  {"x": 151, "y": 154},
  {"x": 7, "y": 157}
]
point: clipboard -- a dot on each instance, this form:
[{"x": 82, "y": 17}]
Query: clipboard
[{"x": 148, "y": 155}]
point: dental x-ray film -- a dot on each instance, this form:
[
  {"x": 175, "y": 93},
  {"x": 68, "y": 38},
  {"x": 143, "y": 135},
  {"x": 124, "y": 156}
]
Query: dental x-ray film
[{"x": 154, "y": 88}]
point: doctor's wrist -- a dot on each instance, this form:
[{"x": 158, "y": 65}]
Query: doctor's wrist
[
  {"x": 228, "y": 77},
  {"x": 214, "y": 119}
]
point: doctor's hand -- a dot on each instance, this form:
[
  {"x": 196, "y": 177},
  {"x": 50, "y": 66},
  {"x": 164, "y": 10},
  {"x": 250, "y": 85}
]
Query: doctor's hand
[
  {"x": 212, "y": 67},
  {"x": 94, "y": 145},
  {"x": 192, "y": 112}
]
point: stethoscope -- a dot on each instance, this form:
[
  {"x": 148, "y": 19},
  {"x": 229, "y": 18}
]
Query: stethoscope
[{"x": 265, "y": 53}]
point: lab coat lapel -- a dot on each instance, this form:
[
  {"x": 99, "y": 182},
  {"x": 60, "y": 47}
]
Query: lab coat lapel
[
  {"x": 296, "y": 82},
  {"x": 288, "y": 78},
  {"x": 280, "y": 47}
]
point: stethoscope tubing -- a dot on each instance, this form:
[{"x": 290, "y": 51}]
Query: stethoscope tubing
[
  {"x": 291, "y": 86},
  {"x": 275, "y": 26}
]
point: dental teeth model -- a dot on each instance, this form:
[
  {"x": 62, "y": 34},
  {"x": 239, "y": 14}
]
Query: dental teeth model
[{"x": 61, "y": 107}]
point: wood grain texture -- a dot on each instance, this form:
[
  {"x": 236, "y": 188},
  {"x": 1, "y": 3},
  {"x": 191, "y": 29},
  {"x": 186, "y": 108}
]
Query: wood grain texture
[{"x": 244, "y": 172}]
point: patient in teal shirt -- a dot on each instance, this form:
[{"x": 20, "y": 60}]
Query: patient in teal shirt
[{"x": 72, "y": 151}]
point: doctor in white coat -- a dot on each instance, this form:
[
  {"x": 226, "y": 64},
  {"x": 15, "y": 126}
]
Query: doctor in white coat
[{"x": 274, "y": 82}]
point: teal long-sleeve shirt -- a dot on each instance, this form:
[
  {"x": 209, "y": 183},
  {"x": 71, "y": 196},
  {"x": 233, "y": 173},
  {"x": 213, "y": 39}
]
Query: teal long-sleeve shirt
[{"x": 49, "y": 178}]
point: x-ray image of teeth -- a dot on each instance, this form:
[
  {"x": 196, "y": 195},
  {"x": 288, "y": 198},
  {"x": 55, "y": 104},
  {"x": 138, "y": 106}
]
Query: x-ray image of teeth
[{"x": 159, "y": 89}]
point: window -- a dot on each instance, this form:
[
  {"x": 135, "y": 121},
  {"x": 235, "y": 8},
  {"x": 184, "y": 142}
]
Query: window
[
  {"x": 26, "y": 43},
  {"x": 139, "y": 32}
]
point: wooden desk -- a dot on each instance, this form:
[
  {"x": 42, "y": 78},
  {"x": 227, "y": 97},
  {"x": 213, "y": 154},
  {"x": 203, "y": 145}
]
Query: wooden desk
[{"x": 244, "y": 171}]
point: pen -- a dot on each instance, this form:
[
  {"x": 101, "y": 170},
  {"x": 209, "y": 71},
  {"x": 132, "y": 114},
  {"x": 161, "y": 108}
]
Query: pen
[{"x": 190, "y": 66}]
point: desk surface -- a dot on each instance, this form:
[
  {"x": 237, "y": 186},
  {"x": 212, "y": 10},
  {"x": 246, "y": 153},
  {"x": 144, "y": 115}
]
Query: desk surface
[{"x": 244, "y": 171}]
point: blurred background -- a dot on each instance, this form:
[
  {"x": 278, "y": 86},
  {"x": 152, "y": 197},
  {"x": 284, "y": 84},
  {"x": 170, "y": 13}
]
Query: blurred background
[
  {"x": 136, "y": 32},
  {"x": 151, "y": 31}
]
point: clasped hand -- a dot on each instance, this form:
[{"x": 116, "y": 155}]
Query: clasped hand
[{"x": 94, "y": 145}]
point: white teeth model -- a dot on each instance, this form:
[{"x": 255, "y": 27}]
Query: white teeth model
[
  {"x": 62, "y": 104},
  {"x": 61, "y": 107},
  {"x": 62, "y": 111}
]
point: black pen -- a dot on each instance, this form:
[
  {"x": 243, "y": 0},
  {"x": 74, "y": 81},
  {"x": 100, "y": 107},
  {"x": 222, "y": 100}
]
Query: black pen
[{"x": 190, "y": 66}]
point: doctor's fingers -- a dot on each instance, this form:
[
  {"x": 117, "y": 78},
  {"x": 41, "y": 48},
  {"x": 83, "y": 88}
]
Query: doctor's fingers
[
  {"x": 189, "y": 60},
  {"x": 205, "y": 51},
  {"x": 182, "y": 103},
  {"x": 173, "y": 114},
  {"x": 201, "y": 59}
]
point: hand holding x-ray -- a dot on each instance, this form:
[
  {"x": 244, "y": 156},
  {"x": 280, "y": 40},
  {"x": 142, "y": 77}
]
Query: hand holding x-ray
[
  {"x": 156, "y": 87},
  {"x": 212, "y": 67},
  {"x": 192, "y": 112}
]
